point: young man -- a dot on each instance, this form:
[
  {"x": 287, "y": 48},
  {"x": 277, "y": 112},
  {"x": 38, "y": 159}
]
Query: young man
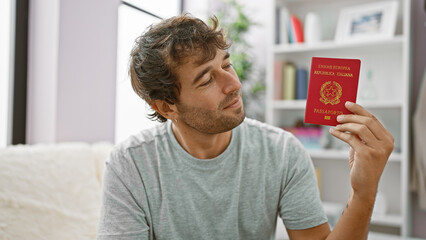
[{"x": 211, "y": 173}]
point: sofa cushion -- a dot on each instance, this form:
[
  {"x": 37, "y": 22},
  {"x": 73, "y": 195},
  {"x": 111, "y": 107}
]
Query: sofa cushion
[
  {"x": 49, "y": 191},
  {"x": 101, "y": 151}
]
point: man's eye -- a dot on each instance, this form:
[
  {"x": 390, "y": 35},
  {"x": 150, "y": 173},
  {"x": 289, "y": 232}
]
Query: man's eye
[
  {"x": 207, "y": 82},
  {"x": 228, "y": 66}
]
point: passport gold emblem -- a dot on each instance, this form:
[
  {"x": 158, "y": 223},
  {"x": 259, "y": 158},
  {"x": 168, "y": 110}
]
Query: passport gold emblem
[{"x": 331, "y": 93}]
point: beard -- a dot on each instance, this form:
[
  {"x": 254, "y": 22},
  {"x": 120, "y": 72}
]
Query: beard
[{"x": 212, "y": 122}]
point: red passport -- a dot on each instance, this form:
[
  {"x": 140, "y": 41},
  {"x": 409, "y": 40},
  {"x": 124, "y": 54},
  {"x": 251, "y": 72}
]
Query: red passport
[{"x": 332, "y": 82}]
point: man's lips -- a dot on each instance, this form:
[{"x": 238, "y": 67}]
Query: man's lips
[{"x": 235, "y": 103}]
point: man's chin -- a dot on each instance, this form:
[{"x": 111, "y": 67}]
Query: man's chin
[
  {"x": 231, "y": 122},
  {"x": 241, "y": 115}
]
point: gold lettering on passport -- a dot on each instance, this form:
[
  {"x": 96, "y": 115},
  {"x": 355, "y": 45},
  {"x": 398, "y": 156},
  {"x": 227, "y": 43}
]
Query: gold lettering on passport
[
  {"x": 335, "y": 67},
  {"x": 332, "y": 73},
  {"x": 323, "y": 73},
  {"x": 327, "y": 111},
  {"x": 345, "y": 68},
  {"x": 344, "y": 74}
]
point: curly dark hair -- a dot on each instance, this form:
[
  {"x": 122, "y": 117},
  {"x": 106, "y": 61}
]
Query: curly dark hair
[{"x": 164, "y": 47}]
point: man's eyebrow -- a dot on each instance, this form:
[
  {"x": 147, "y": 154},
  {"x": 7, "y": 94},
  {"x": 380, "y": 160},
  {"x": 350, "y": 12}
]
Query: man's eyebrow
[
  {"x": 200, "y": 75},
  {"x": 226, "y": 56},
  {"x": 206, "y": 70}
]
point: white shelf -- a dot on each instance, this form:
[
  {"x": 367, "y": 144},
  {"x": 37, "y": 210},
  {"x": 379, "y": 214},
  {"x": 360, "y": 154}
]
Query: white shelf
[
  {"x": 301, "y": 104},
  {"x": 289, "y": 104},
  {"x": 381, "y": 236},
  {"x": 389, "y": 62},
  {"x": 332, "y": 45},
  {"x": 391, "y": 220},
  {"x": 334, "y": 210},
  {"x": 343, "y": 155},
  {"x": 381, "y": 104}
]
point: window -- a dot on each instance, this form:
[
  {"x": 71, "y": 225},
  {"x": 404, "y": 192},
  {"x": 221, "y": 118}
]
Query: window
[
  {"x": 6, "y": 16},
  {"x": 157, "y": 7},
  {"x": 131, "y": 111}
]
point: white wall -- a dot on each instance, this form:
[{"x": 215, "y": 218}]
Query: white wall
[
  {"x": 198, "y": 8},
  {"x": 87, "y": 60},
  {"x": 71, "y": 70}
]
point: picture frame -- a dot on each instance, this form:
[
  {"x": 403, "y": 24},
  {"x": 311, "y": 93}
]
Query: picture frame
[{"x": 372, "y": 21}]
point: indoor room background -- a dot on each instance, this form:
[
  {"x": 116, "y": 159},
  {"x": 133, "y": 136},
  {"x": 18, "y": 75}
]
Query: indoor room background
[{"x": 63, "y": 78}]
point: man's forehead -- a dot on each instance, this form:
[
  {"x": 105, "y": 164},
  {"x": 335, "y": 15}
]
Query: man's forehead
[
  {"x": 195, "y": 62},
  {"x": 198, "y": 59},
  {"x": 188, "y": 64}
]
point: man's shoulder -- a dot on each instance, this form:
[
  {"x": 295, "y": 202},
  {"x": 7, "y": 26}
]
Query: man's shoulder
[
  {"x": 142, "y": 139},
  {"x": 254, "y": 127},
  {"x": 254, "y": 132}
]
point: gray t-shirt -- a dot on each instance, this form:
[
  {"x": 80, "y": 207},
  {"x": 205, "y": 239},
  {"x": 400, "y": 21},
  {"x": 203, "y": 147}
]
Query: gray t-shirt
[{"x": 154, "y": 189}]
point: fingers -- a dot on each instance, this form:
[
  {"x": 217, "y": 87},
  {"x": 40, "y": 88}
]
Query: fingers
[
  {"x": 362, "y": 131},
  {"x": 374, "y": 126},
  {"x": 357, "y": 109},
  {"x": 351, "y": 139},
  {"x": 362, "y": 116}
]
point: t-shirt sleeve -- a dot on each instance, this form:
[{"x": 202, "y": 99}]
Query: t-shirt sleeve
[
  {"x": 300, "y": 205},
  {"x": 121, "y": 215}
]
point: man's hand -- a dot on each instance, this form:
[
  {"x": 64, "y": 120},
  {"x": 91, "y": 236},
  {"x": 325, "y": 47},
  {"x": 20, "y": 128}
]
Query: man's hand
[{"x": 371, "y": 144}]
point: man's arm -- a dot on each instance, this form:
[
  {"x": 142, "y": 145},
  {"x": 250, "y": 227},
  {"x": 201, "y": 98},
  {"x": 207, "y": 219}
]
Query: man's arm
[
  {"x": 371, "y": 144},
  {"x": 121, "y": 215}
]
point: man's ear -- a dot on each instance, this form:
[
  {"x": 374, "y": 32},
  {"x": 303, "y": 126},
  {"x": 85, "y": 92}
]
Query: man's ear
[{"x": 166, "y": 110}]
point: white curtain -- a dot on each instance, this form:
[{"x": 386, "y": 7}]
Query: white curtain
[
  {"x": 419, "y": 141},
  {"x": 6, "y": 16}
]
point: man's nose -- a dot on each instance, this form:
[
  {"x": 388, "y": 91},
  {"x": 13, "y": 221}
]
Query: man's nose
[{"x": 231, "y": 83}]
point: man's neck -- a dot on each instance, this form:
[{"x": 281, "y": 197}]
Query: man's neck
[{"x": 200, "y": 145}]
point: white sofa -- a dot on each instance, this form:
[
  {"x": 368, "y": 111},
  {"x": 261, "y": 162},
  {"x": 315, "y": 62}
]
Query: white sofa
[{"x": 51, "y": 191}]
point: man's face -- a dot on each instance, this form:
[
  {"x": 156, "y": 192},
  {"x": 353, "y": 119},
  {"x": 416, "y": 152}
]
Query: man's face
[{"x": 210, "y": 98}]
